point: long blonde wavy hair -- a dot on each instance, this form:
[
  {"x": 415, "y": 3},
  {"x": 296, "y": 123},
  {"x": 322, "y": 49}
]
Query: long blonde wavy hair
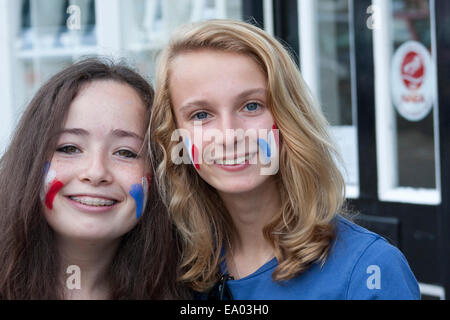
[{"x": 311, "y": 187}]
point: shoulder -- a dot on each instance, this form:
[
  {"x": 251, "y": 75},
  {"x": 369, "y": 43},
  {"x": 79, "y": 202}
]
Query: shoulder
[{"x": 375, "y": 269}]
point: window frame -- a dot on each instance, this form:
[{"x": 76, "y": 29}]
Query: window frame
[{"x": 385, "y": 113}]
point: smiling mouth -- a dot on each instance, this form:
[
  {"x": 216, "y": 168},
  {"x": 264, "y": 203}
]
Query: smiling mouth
[
  {"x": 233, "y": 162},
  {"x": 93, "y": 202}
]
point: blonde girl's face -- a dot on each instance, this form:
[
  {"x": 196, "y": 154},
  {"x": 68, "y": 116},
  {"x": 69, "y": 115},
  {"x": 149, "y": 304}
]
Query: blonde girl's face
[
  {"x": 220, "y": 101},
  {"x": 95, "y": 184}
]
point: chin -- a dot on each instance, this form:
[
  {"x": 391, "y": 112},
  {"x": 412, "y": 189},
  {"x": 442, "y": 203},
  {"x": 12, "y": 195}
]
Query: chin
[
  {"x": 89, "y": 228},
  {"x": 238, "y": 185},
  {"x": 91, "y": 234}
]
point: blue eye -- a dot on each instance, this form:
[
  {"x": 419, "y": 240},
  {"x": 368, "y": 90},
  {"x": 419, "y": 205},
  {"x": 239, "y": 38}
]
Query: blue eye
[
  {"x": 252, "y": 106},
  {"x": 126, "y": 154},
  {"x": 68, "y": 149},
  {"x": 202, "y": 115}
]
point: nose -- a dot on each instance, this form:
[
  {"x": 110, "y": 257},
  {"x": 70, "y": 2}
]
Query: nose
[
  {"x": 96, "y": 170},
  {"x": 233, "y": 132}
]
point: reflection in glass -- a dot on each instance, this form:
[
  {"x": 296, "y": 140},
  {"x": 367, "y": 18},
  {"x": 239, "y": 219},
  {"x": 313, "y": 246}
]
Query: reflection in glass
[
  {"x": 148, "y": 24},
  {"x": 44, "y": 24},
  {"x": 335, "y": 72}
]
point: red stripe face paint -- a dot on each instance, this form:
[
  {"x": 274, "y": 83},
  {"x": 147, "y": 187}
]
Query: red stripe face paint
[
  {"x": 51, "y": 186},
  {"x": 193, "y": 153},
  {"x": 55, "y": 186},
  {"x": 276, "y": 136},
  {"x": 195, "y": 157}
]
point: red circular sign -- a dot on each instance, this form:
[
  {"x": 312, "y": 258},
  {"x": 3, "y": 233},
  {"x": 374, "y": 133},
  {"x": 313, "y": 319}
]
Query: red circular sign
[{"x": 412, "y": 70}]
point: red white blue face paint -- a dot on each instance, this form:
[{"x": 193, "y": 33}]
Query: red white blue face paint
[
  {"x": 269, "y": 147},
  {"x": 139, "y": 192},
  {"x": 50, "y": 187},
  {"x": 269, "y": 152},
  {"x": 193, "y": 153}
]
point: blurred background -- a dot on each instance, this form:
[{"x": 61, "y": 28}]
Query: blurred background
[{"x": 378, "y": 68}]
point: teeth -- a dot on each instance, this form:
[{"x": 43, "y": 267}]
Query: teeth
[
  {"x": 231, "y": 162},
  {"x": 96, "y": 202}
]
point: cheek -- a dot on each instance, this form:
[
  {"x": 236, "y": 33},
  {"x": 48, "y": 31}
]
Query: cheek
[
  {"x": 269, "y": 147},
  {"x": 54, "y": 188},
  {"x": 193, "y": 152},
  {"x": 139, "y": 192},
  {"x": 51, "y": 186}
]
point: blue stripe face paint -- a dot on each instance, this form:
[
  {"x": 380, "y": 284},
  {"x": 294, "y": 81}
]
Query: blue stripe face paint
[
  {"x": 46, "y": 167},
  {"x": 269, "y": 147},
  {"x": 265, "y": 150},
  {"x": 137, "y": 192}
]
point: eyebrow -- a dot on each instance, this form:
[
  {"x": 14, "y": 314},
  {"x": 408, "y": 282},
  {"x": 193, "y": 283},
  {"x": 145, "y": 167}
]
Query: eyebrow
[
  {"x": 126, "y": 134},
  {"x": 74, "y": 131},
  {"x": 119, "y": 133},
  {"x": 203, "y": 103}
]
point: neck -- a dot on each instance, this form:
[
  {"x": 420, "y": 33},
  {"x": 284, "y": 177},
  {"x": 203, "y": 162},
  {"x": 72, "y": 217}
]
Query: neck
[
  {"x": 89, "y": 261},
  {"x": 250, "y": 213}
]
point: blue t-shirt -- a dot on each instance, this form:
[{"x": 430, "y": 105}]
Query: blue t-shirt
[{"x": 361, "y": 265}]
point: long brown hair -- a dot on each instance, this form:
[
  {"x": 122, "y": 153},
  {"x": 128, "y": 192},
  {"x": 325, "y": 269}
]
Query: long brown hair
[
  {"x": 145, "y": 265},
  {"x": 312, "y": 189}
]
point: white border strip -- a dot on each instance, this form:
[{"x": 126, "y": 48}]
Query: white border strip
[
  {"x": 437, "y": 153},
  {"x": 385, "y": 126},
  {"x": 411, "y": 195},
  {"x": 432, "y": 290},
  {"x": 309, "y": 57},
  {"x": 268, "y": 16}
]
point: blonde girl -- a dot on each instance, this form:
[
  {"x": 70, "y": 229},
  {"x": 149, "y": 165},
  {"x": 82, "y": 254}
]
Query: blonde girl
[{"x": 258, "y": 234}]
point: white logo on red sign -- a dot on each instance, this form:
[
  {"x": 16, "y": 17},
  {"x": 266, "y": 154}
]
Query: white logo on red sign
[
  {"x": 412, "y": 81},
  {"x": 412, "y": 70}
]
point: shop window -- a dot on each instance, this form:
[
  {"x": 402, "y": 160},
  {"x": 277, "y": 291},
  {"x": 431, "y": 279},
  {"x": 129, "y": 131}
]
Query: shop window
[{"x": 406, "y": 104}]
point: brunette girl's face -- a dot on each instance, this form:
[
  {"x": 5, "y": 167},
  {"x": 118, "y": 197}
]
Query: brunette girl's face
[
  {"x": 96, "y": 183},
  {"x": 222, "y": 93}
]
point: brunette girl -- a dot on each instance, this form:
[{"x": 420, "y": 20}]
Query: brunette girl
[{"x": 79, "y": 217}]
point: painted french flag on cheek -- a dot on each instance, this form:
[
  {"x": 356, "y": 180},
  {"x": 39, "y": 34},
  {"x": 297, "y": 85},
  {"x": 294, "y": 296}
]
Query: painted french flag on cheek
[
  {"x": 269, "y": 148},
  {"x": 193, "y": 153},
  {"x": 50, "y": 187}
]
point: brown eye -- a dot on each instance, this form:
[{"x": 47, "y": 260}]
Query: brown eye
[
  {"x": 69, "y": 149},
  {"x": 126, "y": 154}
]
